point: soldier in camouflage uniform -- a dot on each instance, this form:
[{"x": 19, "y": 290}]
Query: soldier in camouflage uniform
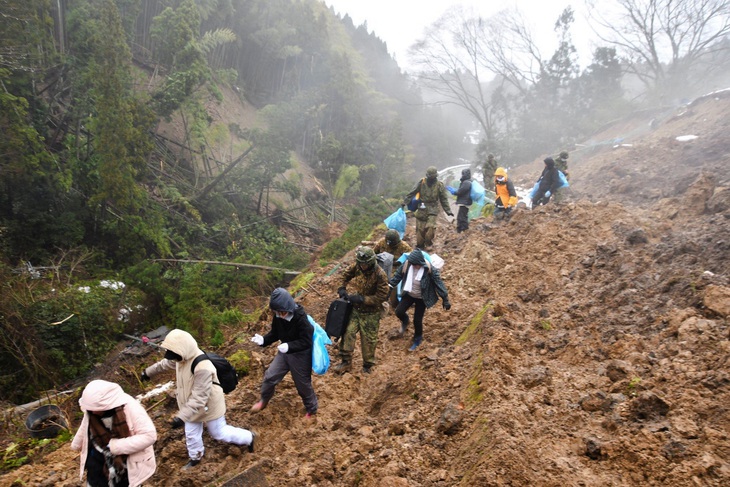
[
  {"x": 561, "y": 162},
  {"x": 392, "y": 244},
  {"x": 371, "y": 288},
  {"x": 488, "y": 168},
  {"x": 433, "y": 192}
]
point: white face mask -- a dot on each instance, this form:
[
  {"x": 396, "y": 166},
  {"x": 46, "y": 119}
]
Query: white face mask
[{"x": 284, "y": 315}]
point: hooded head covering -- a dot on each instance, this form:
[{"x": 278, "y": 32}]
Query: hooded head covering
[
  {"x": 549, "y": 162},
  {"x": 500, "y": 175},
  {"x": 182, "y": 343},
  {"x": 281, "y": 300},
  {"x": 416, "y": 257},
  {"x": 465, "y": 174},
  {"x": 100, "y": 395}
]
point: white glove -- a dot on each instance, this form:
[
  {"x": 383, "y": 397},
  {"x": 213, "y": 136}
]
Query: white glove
[
  {"x": 283, "y": 348},
  {"x": 258, "y": 339}
]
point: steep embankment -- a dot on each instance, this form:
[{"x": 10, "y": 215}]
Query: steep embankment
[{"x": 588, "y": 344}]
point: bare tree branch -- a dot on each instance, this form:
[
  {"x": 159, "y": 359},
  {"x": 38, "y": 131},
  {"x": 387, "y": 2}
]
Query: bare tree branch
[{"x": 663, "y": 40}]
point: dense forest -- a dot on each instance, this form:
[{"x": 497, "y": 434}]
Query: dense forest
[{"x": 108, "y": 225}]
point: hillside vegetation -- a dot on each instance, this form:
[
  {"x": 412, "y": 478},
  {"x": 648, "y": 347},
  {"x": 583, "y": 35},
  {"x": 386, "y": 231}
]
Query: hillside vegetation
[{"x": 588, "y": 344}]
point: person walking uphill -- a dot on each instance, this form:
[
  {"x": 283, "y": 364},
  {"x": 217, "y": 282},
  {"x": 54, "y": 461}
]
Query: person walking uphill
[
  {"x": 506, "y": 198},
  {"x": 392, "y": 244},
  {"x": 432, "y": 193},
  {"x": 200, "y": 399},
  {"x": 115, "y": 437},
  {"x": 292, "y": 328},
  {"x": 549, "y": 181},
  {"x": 370, "y": 285},
  {"x": 463, "y": 201},
  {"x": 422, "y": 286}
]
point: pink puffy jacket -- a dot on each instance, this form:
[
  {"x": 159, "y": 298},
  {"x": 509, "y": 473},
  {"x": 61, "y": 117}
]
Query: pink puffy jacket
[{"x": 101, "y": 395}]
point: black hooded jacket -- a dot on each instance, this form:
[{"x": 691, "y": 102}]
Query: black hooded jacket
[
  {"x": 298, "y": 332},
  {"x": 549, "y": 180},
  {"x": 463, "y": 194}
]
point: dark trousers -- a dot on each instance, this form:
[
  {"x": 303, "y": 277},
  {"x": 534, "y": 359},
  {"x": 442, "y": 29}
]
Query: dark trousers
[
  {"x": 300, "y": 366},
  {"x": 462, "y": 219},
  {"x": 406, "y": 301}
]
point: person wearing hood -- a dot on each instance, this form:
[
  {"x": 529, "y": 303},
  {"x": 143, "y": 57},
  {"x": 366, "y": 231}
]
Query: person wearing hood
[
  {"x": 432, "y": 194},
  {"x": 291, "y": 327},
  {"x": 506, "y": 196},
  {"x": 200, "y": 398},
  {"x": 549, "y": 181},
  {"x": 421, "y": 288},
  {"x": 463, "y": 201},
  {"x": 115, "y": 437}
]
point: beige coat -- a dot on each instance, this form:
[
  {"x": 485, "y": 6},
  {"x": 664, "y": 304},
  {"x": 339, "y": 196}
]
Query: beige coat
[
  {"x": 101, "y": 395},
  {"x": 198, "y": 399}
]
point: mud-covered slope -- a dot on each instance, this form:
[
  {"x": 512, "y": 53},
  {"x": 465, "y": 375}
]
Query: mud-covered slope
[{"x": 588, "y": 344}]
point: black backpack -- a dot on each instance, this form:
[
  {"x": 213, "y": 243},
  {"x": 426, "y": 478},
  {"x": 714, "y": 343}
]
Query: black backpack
[{"x": 226, "y": 373}]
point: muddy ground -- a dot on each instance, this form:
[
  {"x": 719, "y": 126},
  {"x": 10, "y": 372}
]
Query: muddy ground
[{"x": 588, "y": 345}]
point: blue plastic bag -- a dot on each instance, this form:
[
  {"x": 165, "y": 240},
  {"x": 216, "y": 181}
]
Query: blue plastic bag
[
  {"x": 451, "y": 189},
  {"x": 534, "y": 190},
  {"x": 477, "y": 193},
  {"x": 563, "y": 180},
  {"x": 320, "y": 356},
  {"x": 397, "y": 221},
  {"x": 563, "y": 184}
]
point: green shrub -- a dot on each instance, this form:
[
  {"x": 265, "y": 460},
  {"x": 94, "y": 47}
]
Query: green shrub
[{"x": 241, "y": 361}]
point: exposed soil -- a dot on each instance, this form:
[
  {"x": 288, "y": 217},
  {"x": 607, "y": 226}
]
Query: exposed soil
[{"x": 588, "y": 345}]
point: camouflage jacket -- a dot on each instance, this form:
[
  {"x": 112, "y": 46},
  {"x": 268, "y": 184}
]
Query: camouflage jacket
[
  {"x": 561, "y": 164},
  {"x": 397, "y": 250},
  {"x": 431, "y": 196},
  {"x": 488, "y": 169},
  {"x": 373, "y": 286}
]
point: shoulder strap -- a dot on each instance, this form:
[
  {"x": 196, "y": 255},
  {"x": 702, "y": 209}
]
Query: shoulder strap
[{"x": 198, "y": 359}]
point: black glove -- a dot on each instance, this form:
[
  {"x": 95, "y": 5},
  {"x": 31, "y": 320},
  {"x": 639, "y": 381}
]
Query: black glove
[
  {"x": 447, "y": 305},
  {"x": 355, "y": 298},
  {"x": 177, "y": 423},
  {"x": 342, "y": 292},
  {"x": 402, "y": 205},
  {"x": 144, "y": 377},
  {"x": 450, "y": 214}
]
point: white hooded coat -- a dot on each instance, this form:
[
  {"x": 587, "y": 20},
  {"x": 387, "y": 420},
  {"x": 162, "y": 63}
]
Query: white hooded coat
[
  {"x": 198, "y": 399},
  {"x": 100, "y": 395}
]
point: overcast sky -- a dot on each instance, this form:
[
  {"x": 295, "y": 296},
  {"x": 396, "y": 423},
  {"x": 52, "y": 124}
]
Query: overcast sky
[{"x": 401, "y": 22}]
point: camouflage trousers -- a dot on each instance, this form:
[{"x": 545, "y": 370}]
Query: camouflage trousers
[
  {"x": 368, "y": 324},
  {"x": 425, "y": 231}
]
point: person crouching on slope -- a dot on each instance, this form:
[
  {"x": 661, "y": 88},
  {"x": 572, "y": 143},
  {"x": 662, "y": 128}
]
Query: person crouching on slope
[
  {"x": 199, "y": 400},
  {"x": 422, "y": 285},
  {"x": 506, "y": 198},
  {"x": 115, "y": 437},
  {"x": 292, "y": 328}
]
